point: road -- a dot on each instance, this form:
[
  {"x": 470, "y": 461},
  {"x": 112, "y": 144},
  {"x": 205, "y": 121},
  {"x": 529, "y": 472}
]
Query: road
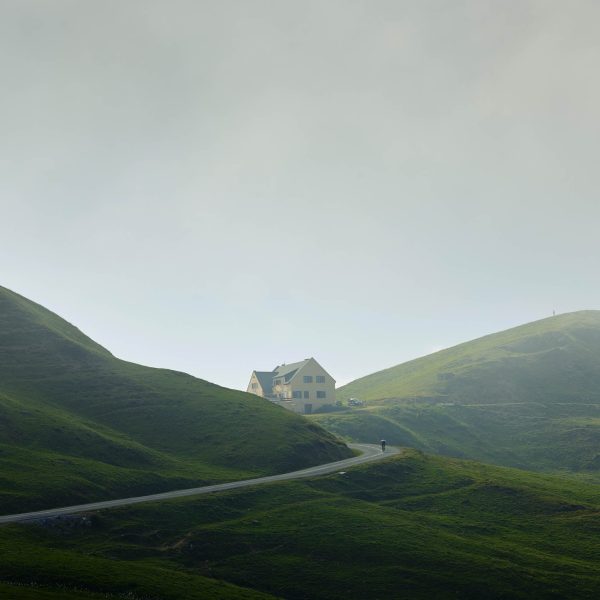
[{"x": 369, "y": 452}]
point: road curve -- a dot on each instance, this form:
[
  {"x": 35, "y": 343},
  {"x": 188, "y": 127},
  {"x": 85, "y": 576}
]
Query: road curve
[{"x": 369, "y": 453}]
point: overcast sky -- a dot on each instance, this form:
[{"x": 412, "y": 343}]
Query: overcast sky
[{"x": 222, "y": 186}]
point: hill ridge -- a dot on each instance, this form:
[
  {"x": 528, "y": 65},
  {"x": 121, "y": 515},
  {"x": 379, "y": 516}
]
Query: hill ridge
[
  {"x": 556, "y": 322},
  {"x": 78, "y": 424},
  {"x": 527, "y": 397},
  {"x": 48, "y": 319}
]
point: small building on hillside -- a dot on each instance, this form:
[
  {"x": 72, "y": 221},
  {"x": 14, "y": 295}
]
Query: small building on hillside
[{"x": 302, "y": 386}]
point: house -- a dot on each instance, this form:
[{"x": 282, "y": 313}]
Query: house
[{"x": 302, "y": 386}]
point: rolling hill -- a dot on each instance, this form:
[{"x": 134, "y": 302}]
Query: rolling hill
[
  {"x": 78, "y": 424},
  {"x": 526, "y": 397},
  {"x": 413, "y": 526}
]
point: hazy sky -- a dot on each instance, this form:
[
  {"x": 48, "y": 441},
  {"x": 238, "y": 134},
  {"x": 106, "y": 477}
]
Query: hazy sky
[{"x": 221, "y": 186}]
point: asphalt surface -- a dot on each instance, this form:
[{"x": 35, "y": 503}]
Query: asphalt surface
[{"x": 370, "y": 453}]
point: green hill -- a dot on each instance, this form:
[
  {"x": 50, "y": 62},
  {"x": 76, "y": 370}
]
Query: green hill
[
  {"x": 78, "y": 424},
  {"x": 552, "y": 360},
  {"x": 413, "y": 527},
  {"x": 526, "y": 397}
]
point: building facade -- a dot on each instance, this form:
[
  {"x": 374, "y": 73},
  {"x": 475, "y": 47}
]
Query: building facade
[{"x": 301, "y": 387}]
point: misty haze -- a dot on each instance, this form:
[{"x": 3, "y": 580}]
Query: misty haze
[{"x": 298, "y": 299}]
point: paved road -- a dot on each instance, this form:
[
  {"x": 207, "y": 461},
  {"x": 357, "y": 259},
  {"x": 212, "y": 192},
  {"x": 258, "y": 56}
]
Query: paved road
[{"x": 369, "y": 452}]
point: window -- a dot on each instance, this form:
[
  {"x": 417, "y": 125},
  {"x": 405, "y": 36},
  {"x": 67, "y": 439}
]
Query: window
[
  {"x": 297, "y": 394},
  {"x": 307, "y": 379},
  {"x": 277, "y": 382},
  {"x": 321, "y": 394},
  {"x": 320, "y": 378},
  {"x": 254, "y": 386},
  {"x": 306, "y": 394}
]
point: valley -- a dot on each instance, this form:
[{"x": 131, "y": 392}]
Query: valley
[{"x": 493, "y": 492}]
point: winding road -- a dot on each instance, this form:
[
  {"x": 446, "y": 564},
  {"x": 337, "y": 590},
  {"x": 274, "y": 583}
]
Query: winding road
[{"x": 369, "y": 453}]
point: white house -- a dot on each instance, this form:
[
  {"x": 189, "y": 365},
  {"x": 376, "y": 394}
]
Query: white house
[{"x": 302, "y": 386}]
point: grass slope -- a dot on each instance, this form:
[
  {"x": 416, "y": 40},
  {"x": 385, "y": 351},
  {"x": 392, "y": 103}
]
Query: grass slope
[
  {"x": 527, "y": 397},
  {"x": 552, "y": 360},
  {"x": 78, "y": 424},
  {"x": 416, "y": 526}
]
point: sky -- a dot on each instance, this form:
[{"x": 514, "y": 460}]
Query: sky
[{"x": 221, "y": 186}]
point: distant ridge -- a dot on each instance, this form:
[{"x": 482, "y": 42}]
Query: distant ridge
[
  {"x": 78, "y": 424},
  {"x": 527, "y": 397},
  {"x": 538, "y": 352}
]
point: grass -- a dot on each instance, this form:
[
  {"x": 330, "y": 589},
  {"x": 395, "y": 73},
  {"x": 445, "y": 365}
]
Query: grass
[
  {"x": 78, "y": 424},
  {"x": 551, "y": 360},
  {"x": 34, "y": 569},
  {"x": 528, "y": 436},
  {"x": 527, "y": 397},
  {"x": 417, "y": 526}
]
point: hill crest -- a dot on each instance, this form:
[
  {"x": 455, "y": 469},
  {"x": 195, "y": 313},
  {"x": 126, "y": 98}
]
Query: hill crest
[
  {"x": 18, "y": 308},
  {"x": 427, "y": 375},
  {"x": 78, "y": 424}
]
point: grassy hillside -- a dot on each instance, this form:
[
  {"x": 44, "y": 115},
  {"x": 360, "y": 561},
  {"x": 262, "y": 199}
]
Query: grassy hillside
[
  {"x": 416, "y": 526},
  {"x": 526, "y": 397},
  {"x": 552, "y": 360},
  {"x": 78, "y": 424}
]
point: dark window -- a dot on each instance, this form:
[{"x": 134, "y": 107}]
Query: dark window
[
  {"x": 254, "y": 386},
  {"x": 297, "y": 394},
  {"x": 277, "y": 382},
  {"x": 307, "y": 379},
  {"x": 306, "y": 395},
  {"x": 321, "y": 395},
  {"x": 320, "y": 378},
  {"x": 308, "y": 409}
]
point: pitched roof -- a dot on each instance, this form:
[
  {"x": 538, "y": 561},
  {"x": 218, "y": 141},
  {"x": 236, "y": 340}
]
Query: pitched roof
[
  {"x": 265, "y": 378},
  {"x": 285, "y": 372},
  {"x": 288, "y": 371}
]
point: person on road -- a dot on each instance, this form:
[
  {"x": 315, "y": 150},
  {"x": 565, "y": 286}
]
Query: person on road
[{"x": 383, "y": 445}]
